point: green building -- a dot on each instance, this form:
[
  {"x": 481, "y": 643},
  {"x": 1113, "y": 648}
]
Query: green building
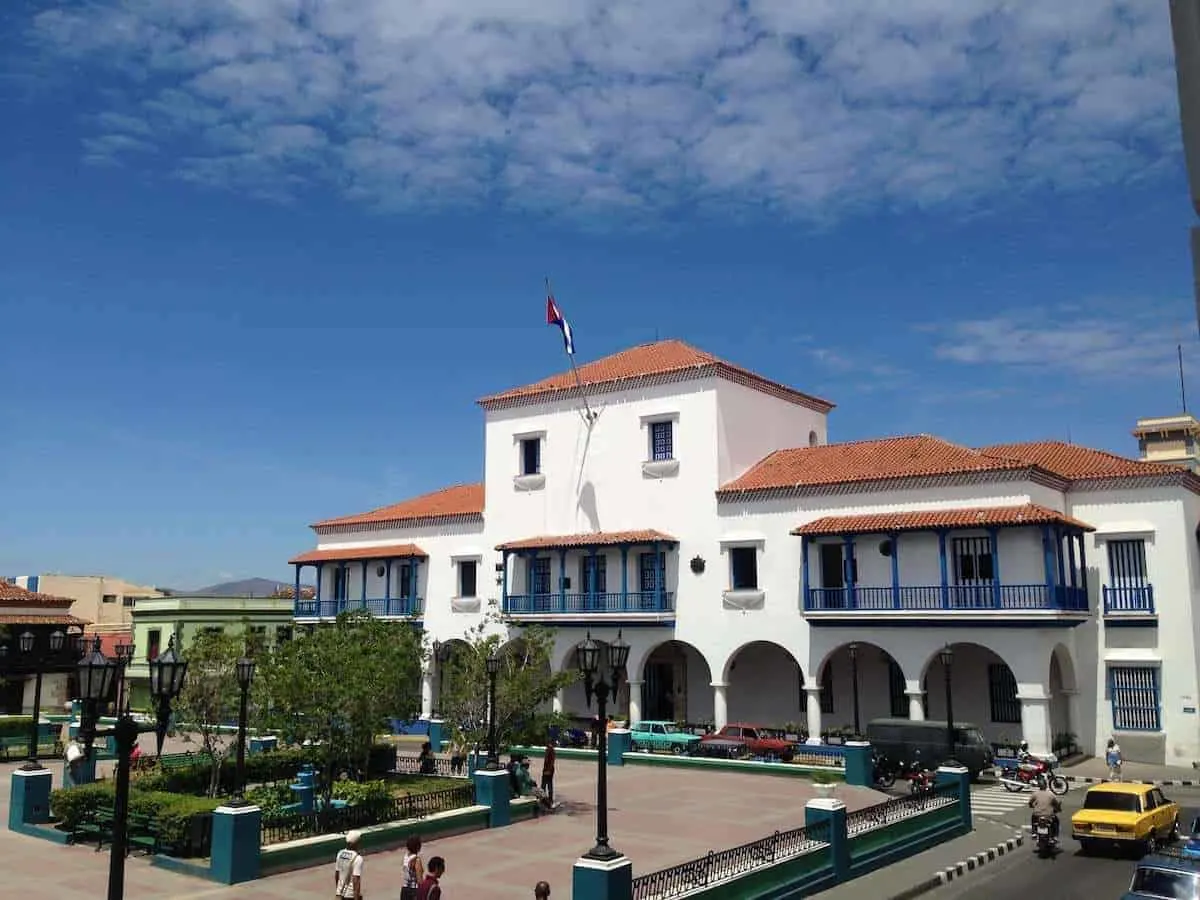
[{"x": 157, "y": 620}]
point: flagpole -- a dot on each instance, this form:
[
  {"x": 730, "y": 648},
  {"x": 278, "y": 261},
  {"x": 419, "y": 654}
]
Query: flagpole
[{"x": 588, "y": 414}]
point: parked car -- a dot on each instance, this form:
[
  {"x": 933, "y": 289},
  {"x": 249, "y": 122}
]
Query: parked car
[
  {"x": 924, "y": 742},
  {"x": 755, "y": 739},
  {"x": 1123, "y": 815},
  {"x": 662, "y": 736},
  {"x": 1164, "y": 874}
]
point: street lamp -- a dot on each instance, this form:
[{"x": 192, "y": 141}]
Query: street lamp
[
  {"x": 493, "y": 669},
  {"x": 96, "y": 673},
  {"x": 947, "y": 657},
  {"x": 602, "y": 670},
  {"x": 167, "y": 674},
  {"x": 245, "y": 677},
  {"x": 853, "y": 649},
  {"x": 124, "y": 656},
  {"x": 26, "y": 642}
]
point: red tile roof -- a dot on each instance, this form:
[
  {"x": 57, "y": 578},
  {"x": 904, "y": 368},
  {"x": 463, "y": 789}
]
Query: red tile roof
[
  {"x": 594, "y": 539},
  {"x": 52, "y": 619},
  {"x": 387, "y": 551},
  {"x": 864, "y": 461},
  {"x": 13, "y": 595},
  {"x": 924, "y": 520},
  {"x": 1073, "y": 463},
  {"x": 109, "y": 640},
  {"x": 457, "y": 502},
  {"x": 669, "y": 360}
]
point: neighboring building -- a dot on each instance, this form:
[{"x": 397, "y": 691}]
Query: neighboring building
[
  {"x": 40, "y": 615},
  {"x": 1170, "y": 439},
  {"x": 702, "y": 513},
  {"x": 102, "y": 600},
  {"x": 157, "y": 621}
]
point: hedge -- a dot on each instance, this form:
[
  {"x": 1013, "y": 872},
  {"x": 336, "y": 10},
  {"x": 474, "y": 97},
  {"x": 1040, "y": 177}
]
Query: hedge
[
  {"x": 181, "y": 818},
  {"x": 15, "y": 726}
]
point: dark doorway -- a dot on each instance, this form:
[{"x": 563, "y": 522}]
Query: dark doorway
[
  {"x": 658, "y": 693},
  {"x": 833, "y": 575}
]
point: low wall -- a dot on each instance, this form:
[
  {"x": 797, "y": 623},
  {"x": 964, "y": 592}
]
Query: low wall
[{"x": 669, "y": 760}]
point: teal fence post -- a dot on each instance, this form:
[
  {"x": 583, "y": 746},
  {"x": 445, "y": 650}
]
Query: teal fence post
[
  {"x": 602, "y": 879},
  {"x": 620, "y": 742},
  {"x": 859, "y": 769},
  {"x": 29, "y": 802},
  {"x": 436, "y": 734},
  {"x": 492, "y": 789},
  {"x": 236, "y": 842},
  {"x": 962, "y": 776},
  {"x": 829, "y": 810}
]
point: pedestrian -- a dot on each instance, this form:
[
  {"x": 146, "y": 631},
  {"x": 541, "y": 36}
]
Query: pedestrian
[
  {"x": 548, "y": 771},
  {"x": 541, "y": 891},
  {"x": 1112, "y": 756},
  {"x": 414, "y": 869},
  {"x": 458, "y": 755},
  {"x": 347, "y": 869},
  {"x": 431, "y": 886},
  {"x": 425, "y": 763}
]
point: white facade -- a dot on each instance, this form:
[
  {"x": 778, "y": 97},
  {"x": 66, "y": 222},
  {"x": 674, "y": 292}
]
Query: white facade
[{"x": 704, "y": 652}]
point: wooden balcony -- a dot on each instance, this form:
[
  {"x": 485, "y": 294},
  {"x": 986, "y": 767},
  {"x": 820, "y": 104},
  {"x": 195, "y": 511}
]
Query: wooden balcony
[
  {"x": 592, "y": 608},
  {"x": 1030, "y": 604}
]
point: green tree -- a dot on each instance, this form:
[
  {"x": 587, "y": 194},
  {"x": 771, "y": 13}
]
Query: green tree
[
  {"x": 525, "y": 686},
  {"x": 210, "y": 696},
  {"x": 338, "y": 686}
]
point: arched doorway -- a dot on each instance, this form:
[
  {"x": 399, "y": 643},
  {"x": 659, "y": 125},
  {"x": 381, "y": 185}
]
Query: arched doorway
[
  {"x": 447, "y": 660},
  {"x": 868, "y": 671},
  {"x": 677, "y": 685},
  {"x": 983, "y": 691},
  {"x": 1062, "y": 690},
  {"x": 765, "y": 686}
]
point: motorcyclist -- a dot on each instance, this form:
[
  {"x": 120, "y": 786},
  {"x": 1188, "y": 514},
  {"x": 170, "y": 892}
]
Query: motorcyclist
[
  {"x": 1044, "y": 805},
  {"x": 1027, "y": 762}
]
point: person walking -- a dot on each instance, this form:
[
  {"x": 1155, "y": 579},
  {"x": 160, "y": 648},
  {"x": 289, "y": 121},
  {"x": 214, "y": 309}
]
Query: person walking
[
  {"x": 541, "y": 891},
  {"x": 348, "y": 869},
  {"x": 414, "y": 869},
  {"x": 431, "y": 885},
  {"x": 1112, "y": 756},
  {"x": 548, "y": 771}
]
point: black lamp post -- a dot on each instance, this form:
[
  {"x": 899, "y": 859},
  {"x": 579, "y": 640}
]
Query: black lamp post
[
  {"x": 493, "y": 669},
  {"x": 602, "y": 668},
  {"x": 853, "y": 650},
  {"x": 124, "y": 657},
  {"x": 27, "y": 641},
  {"x": 947, "y": 657},
  {"x": 167, "y": 674},
  {"x": 245, "y": 677},
  {"x": 96, "y": 673}
]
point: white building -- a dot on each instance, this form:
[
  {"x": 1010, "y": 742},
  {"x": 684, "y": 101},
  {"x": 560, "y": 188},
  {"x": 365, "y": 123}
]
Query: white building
[{"x": 703, "y": 514}]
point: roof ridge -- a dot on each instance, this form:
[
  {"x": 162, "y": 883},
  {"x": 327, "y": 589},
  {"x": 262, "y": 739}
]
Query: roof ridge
[{"x": 1058, "y": 442}]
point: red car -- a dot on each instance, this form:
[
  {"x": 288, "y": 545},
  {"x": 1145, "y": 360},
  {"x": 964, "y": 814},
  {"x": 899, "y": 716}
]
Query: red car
[{"x": 754, "y": 740}]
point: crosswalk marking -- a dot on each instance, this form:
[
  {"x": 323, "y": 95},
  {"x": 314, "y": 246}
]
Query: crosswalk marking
[{"x": 996, "y": 800}]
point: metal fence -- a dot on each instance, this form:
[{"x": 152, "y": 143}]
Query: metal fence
[
  {"x": 722, "y": 865},
  {"x": 898, "y": 808},
  {"x": 292, "y": 826},
  {"x": 411, "y": 765}
]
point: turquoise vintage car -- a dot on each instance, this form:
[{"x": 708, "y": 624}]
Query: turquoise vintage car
[{"x": 662, "y": 736}]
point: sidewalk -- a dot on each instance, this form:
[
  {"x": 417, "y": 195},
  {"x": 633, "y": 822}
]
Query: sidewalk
[
  {"x": 1091, "y": 770},
  {"x": 903, "y": 878}
]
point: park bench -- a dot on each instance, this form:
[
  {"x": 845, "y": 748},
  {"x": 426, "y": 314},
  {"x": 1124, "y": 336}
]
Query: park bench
[
  {"x": 17, "y": 747},
  {"x": 94, "y": 825},
  {"x": 143, "y": 834},
  {"x": 183, "y": 760}
]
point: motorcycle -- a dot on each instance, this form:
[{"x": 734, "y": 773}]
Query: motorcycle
[
  {"x": 920, "y": 781},
  {"x": 1025, "y": 776},
  {"x": 886, "y": 770},
  {"x": 1043, "y": 835}
]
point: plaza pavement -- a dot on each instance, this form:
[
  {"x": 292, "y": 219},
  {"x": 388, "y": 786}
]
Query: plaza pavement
[{"x": 658, "y": 817}]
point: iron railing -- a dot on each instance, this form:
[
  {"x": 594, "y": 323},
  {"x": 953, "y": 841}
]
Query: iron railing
[
  {"x": 722, "y": 865},
  {"x": 307, "y": 608},
  {"x": 411, "y": 765},
  {"x": 582, "y": 603},
  {"x": 951, "y": 597},
  {"x": 898, "y": 808},
  {"x": 1136, "y": 599},
  {"x": 293, "y": 826}
]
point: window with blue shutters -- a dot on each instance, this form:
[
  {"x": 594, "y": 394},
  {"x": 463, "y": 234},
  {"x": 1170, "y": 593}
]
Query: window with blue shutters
[
  {"x": 662, "y": 440},
  {"x": 1135, "y": 696},
  {"x": 531, "y": 456},
  {"x": 593, "y": 574},
  {"x": 539, "y": 575},
  {"x": 405, "y": 586},
  {"x": 648, "y": 571},
  {"x": 1002, "y": 694},
  {"x": 1127, "y": 564}
]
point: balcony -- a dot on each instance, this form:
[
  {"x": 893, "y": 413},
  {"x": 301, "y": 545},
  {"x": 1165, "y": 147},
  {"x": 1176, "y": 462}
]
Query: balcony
[
  {"x": 382, "y": 607},
  {"x": 953, "y": 598},
  {"x": 632, "y": 605},
  {"x": 1129, "y": 605}
]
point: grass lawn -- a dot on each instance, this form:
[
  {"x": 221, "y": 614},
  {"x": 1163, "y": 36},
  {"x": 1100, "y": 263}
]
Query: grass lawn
[{"x": 422, "y": 784}]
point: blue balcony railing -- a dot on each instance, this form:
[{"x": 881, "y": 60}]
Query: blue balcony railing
[
  {"x": 953, "y": 597},
  {"x": 1122, "y": 600},
  {"x": 378, "y": 606},
  {"x": 584, "y": 604}
]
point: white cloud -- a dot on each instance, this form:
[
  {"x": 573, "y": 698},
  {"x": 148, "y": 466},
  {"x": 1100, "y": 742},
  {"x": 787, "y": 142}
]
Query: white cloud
[{"x": 808, "y": 108}]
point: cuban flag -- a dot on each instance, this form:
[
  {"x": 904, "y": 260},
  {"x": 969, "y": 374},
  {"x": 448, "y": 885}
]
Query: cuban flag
[{"x": 554, "y": 316}]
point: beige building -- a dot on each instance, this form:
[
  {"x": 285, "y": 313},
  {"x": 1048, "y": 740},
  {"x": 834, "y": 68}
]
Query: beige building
[
  {"x": 104, "y": 601},
  {"x": 1170, "y": 439}
]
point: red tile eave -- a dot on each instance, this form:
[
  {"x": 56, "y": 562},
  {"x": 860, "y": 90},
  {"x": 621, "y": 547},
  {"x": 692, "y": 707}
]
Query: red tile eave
[
  {"x": 52, "y": 619},
  {"x": 13, "y": 595},
  {"x": 595, "y": 539},
  {"x": 349, "y": 554},
  {"x": 1026, "y": 515},
  {"x": 456, "y": 503}
]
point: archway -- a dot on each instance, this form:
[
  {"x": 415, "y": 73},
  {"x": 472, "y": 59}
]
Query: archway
[
  {"x": 983, "y": 691},
  {"x": 765, "y": 686},
  {"x": 677, "y": 685},
  {"x": 446, "y": 660},
  {"x": 880, "y": 687},
  {"x": 574, "y": 697},
  {"x": 1062, "y": 690}
]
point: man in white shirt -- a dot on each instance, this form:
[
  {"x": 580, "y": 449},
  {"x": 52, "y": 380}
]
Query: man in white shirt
[{"x": 347, "y": 870}]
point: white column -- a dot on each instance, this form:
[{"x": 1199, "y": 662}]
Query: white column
[
  {"x": 813, "y": 710},
  {"x": 916, "y": 701},
  {"x": 1035, "y": 717},
  {"x": 557, "y": 703},
  {"x": 720, "y": 712},
  {"x": 635, "y": 702},
  {"x": 426, "y": 693}
]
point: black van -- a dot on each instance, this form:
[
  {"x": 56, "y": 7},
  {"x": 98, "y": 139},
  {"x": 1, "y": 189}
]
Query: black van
[{"x": 925, "y": 742}]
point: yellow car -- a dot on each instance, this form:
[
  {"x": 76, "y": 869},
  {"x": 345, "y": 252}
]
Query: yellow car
[{"x": 1117, "y": 814}]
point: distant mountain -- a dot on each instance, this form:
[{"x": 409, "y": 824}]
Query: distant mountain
[{"x": 247, "y": 587}]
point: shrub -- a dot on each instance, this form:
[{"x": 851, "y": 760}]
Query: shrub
[
  {"x": 181, "y": 818},
  {"x": 15, "y": 726},
  {"x": 271, "y": 798},
  {"x": 71, "y": 805},
  {"x": 355, "y": 792}
]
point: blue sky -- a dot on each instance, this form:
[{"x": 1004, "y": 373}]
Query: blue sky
[{"x": 261, "y": 256}]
